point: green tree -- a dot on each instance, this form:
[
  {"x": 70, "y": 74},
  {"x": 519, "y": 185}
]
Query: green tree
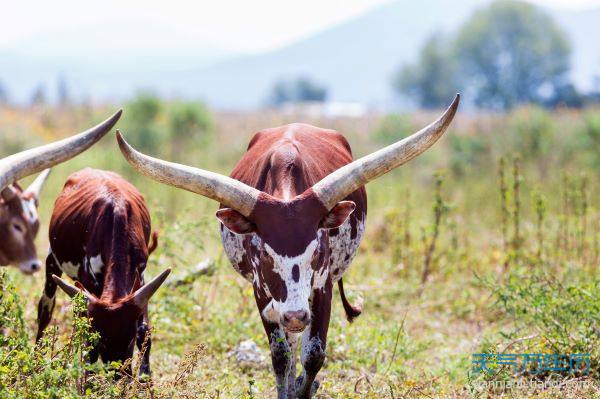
[
  {"x": 189, "y": 123},
  {"x": 142, "y": 113},
  {"x": 512, "y": 52},
  {"x": 299, "y": 90},
  {"x": 432, "y": 80}
]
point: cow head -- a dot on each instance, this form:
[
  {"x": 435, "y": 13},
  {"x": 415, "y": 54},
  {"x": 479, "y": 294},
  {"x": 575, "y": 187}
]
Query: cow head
[
  {"x": 19, "y": 221},
  {"x": 19, "y": 225},
  {"x": 293, "y": 252},
  {"x": 289, "y": 232},
  {"x": 116, "y": 321}
]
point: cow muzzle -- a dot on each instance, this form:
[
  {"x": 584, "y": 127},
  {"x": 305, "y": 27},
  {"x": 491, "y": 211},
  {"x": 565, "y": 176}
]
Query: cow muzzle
[
  {"x": 295, "y": 321},
  {"x": 31, "y": 266}
]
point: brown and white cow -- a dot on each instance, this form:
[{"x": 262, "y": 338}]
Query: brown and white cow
[
  {"x": 292, "y": 216},
  {"x": 19, "y": 221},
  {"x": 100, "y": 236}
]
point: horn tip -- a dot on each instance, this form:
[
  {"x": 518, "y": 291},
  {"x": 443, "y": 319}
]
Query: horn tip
[{"x": 56, "y": 278}]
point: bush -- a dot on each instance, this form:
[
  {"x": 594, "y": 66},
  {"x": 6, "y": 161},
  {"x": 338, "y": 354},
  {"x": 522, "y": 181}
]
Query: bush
[
  {"x": 563, "y": 317},
  {"x": 393, "y": 128},
  {"x": 468, "y": 152}
]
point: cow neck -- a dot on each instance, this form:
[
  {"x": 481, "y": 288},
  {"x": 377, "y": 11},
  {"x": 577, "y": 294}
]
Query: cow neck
[{"x": 118, "y": 280}]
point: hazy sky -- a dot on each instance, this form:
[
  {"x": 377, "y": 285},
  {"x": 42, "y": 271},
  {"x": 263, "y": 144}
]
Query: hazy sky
[{"x": 231, "y": 24}]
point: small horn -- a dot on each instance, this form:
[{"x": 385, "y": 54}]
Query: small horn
[
  {"x": 35, "y": 188},
  {"x": 71, "y": 290},
  {"x": 223, "y": 189},
  {"x": 29, "y": 162},
  {"x": 142, "y": 296},
  {"x": 349, "y": 178}
]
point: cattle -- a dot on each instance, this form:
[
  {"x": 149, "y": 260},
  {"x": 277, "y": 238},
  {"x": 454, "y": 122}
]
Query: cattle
[
  {"x": 100, "y": 236},
  {"x": 292, "y": 216},
  {"x": 19, "y": 221}
]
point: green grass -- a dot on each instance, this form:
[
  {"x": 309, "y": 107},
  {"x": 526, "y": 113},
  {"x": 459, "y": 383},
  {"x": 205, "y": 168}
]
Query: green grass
[{"x": 537, "y": 294}]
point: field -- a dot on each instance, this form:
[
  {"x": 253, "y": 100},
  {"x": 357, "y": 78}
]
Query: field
[{"x": 488, "y": 243}]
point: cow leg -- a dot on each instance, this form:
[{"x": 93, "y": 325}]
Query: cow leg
[
  {"x": 48, "y": 299},
  {"x": 143, "y": 331},
  {"x": 281, "y": 357},
  {"x": 314, "y": 341},
  {"x": 292, "y": 340}
]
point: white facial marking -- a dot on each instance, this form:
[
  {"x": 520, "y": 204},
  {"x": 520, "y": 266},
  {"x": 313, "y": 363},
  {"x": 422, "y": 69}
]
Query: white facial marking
[
  {"x": 343, "y": 247},
  {"x": 29, "y": 210},
  {"x": 299, "y": 291}
]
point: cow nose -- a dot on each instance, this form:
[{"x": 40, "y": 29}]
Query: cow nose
[
  {"x": 35, "y": 266},
  {"x": 295, "y": 321}
]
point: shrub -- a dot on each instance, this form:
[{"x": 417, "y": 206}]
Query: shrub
[{"x": 393, "y": 128}]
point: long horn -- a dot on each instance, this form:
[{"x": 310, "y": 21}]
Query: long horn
[
  {"x": 71, "y": 290},
  {"x": 223, "y": 189},
  {"x": 32, "y": 161},
  {"x": 142, "y": 296},
  {"x": 35, "y": 188},
  {"x": 339, "y": 184}
]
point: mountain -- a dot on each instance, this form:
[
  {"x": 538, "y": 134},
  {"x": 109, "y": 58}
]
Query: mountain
[
  {"x": 355, "y": 60},
  {"x": 104, "y": 62}
]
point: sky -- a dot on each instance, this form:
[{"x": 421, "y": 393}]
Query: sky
[{"x": 233, "y": 25}]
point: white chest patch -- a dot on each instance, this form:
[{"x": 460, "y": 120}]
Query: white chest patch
[
  {"x": 96, "y": 264},
  {"x": 343, "y": 247},
  {"x": 71, "y": 269}
]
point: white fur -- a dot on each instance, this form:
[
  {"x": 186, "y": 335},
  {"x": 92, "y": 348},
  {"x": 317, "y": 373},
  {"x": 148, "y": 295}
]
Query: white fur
[
  {"x": 343, "y": 245},
  {"x": 71, "y": 269},
  {"x": 29, "y": 210},
  {"x": 297, "y": 292},
  {"x": 96, "y": 264}
]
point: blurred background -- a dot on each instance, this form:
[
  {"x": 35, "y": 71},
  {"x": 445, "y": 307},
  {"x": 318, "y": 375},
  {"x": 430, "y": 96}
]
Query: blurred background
[
  {"x": 488, "y": 242},
  {"x": 351, "y": 56}
]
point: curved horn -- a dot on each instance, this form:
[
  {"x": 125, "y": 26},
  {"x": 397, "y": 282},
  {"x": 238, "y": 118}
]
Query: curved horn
[
  {"x": 31, "y": 161},
  {"x": 143, "y": 295},
  {"x": 223, "y": 189},
  {"x": 71, "y": 290},
  {"x": 35, "y": 188},
  {"x": 339, "y": 184}
]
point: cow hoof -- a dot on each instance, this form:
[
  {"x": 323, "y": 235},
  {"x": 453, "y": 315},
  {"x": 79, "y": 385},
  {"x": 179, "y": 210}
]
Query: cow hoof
[
  {"x": 145, "y": 373},
  {"x": 301, "y": 390}
]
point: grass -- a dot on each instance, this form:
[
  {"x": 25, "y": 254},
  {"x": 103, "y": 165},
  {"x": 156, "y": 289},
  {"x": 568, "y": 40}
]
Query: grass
[{"x": 481, "y": 258}]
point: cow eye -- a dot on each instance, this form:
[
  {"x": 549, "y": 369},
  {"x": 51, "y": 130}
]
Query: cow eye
[{"x": 18, "y": 227}]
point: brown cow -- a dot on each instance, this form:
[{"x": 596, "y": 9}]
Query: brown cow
[
  {"x": 100, "y": 237},
  {"x": 19, "y": 221},
  {"x": 292, "y": 216}
]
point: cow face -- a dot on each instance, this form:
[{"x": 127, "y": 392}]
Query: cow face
[
  {"x": 117, "y": 326},
  {"x": 19, "y": 225},
  {"x": 290, "y": 254}
]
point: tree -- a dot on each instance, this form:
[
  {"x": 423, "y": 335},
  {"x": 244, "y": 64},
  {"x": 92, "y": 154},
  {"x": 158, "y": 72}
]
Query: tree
[
  {"x": 512, "y": 52},
  {"x": 3, "y": 94},
  {"x": 39, "y": 95},
  {"x": 141, "y": 117},
  {"x": 62, "y": 92},
  {"x": 432, "y": 81},
  {"x": 299, "y": 90}
]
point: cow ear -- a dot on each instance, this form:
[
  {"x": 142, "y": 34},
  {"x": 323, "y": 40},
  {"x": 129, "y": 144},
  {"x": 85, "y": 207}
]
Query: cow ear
[
  {"x": 235, "y": 221},
  {"x": 9, "y": 193},
  {"x": 338, "y": 215}
]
